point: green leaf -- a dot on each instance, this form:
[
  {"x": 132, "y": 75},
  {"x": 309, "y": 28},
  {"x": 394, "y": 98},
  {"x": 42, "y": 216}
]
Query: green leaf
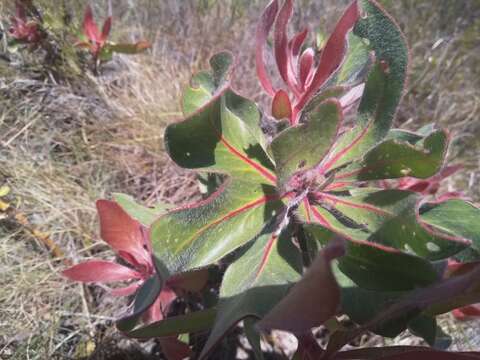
[
  {"x": 375, "y": 268},
  {"x": 144, "y": 215},
  {"x": 363, "y": 305},
  {"x": 105, "y": 54},
  {"x": 323, "y": 95},
  {"x": 319, "y": 129},
  {"x": 224, "y": 137},
  {"x": 388, "y": 218},
  {"x": 189, "y": 323},
  {"x": 393, "y": 159},
  {"x": 206, "y": 85},
  {"x": 439, "y": 297},
  {"x": 357, "y": 61},
  {"x": 455, "y": 217},
  {"x": 130, "y": 49},
  {"x": 391, "y": 53},
  {"x": 404, "y": 135},
  {"x": 144, "y": 298},
  {"x": 255, "y": 282},
  {"x": 384, "y": 86},
  {"x": 253, "y": 337}
]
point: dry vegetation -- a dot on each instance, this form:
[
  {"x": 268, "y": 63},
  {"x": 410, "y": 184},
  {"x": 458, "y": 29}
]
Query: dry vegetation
[{"x": 66, "y": 142}]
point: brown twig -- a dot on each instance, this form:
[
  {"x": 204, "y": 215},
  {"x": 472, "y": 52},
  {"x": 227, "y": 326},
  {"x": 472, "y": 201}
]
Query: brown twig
[{"x": 44, "y": 237}]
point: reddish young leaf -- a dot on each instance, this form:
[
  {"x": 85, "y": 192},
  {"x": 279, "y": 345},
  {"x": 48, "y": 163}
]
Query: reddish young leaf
[
  {"x": 90, "y": 28},
  {"x": 100, "y": 271},
  {"x": 428, "y": 186},
  {"x": 295, "y": 44},
  {"x": 107, "y": 26},
  {"x": 20, "y": 11},
  {"x": 332, "y": 54},
  {"x": 282, "y": 54},
  {"x": 467, "y": 312},
  {"x": 159, "y": 309},
  {"x": 263, "y": 28},
  {"x": 127, "y": 290},
  {"x": 281, "y": 106},
  {"x": 306, "y": 66},
  {"x": 317, "y": 294},
  {"x": 121, "y": 232}
]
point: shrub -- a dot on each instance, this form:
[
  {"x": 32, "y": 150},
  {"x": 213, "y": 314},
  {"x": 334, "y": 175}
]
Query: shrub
[{"x": 310, "y": 225}]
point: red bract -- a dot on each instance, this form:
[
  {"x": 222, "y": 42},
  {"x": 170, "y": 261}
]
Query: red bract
[
  {"x": 96, "y": 40},
  {"x": 22, "y": 29},
  {"x": 130, "y": 240},
  {"x": 297, "y": 69}
]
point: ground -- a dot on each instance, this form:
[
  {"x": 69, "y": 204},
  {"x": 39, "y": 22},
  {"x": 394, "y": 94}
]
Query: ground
[{"x": 65, "y": 142}]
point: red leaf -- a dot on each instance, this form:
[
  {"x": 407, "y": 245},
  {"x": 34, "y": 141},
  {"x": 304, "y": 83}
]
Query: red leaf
[
  {"x": 174, "y": 349},
  {"x": 282, "y": 53},
  {"x": 313, "y": 300},
  {"x": 159, "y": 309},
  {"x": 107, "y": 26},
  {"x": 332, "y": 54},
  {"x": 100, "y": 271},
  {"x": 122, "y": 233},
  {"x": 126, "y": 291},
  {"x": 263, "y": 28},
  {"x": 306, "y": 65},
  {"x": 90, "y": 28},
  {"x": 297, "y": 41},
  {"x": 428, "y": 186},
  {"x": 467, "y": 312},
  {"x": 20, "y": 11},
  {"x": 281, "y": 106}
]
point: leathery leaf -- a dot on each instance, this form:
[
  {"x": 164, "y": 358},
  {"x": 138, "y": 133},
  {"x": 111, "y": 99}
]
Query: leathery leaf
[{"x": 223, "y": 136}]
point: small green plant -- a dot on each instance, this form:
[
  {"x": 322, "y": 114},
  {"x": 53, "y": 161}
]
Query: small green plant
[{"x": 330, "y": 217}]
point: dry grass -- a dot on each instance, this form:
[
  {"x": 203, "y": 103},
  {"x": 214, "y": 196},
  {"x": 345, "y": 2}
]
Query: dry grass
[{"x": 62, "y": 146}]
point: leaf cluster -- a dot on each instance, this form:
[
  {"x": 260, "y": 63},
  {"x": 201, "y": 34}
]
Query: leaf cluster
[{"x": 331, "y": 216}]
